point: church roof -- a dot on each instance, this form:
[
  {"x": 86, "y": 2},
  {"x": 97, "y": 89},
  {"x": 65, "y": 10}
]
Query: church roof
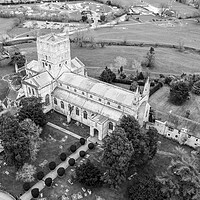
[
  {"x": 103, "y": 90},
  {"x": 40, "y": 80},
  {"x": 76, "y": 63},
  {"x": 52, "y": 37},
  {"x": 33, "y": 65}
]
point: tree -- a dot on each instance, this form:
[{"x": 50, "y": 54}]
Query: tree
[
  {"x": 18, "y": 59},
  {"x": 182, "y": 178},
  {"x": 133, "y": 86},
  {"x": 116, "y": 157},
  {"x": 144, "y": 143},
  {"x": 33, "y": 134},
  {"x": 31, "y": 107},
  {"x": 149, "y": 60},
  {"x": 14, "y": 141},
  {"x": 145, "y": 187},
  {"x": 107, "y": 75},
  {"x": 179, "y": 92},
  {"x": 88, "y": 174}
]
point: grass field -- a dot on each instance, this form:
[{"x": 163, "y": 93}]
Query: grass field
[
  {"x": 6, "y": 24},
  {"x": 49, "y": 150},
  {"x": 159, "y": 101}
]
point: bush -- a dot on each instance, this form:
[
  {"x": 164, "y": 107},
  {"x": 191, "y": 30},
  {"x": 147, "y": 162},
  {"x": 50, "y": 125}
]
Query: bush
[
  {"x": 82, "y": 154},
  {"x": 52, "y": 165},
  {"x": 123, "y": 81},
  {"x": 48, "y": 182},
  {"x": 63, "y": 156},
  {"x": 40, "y": 175},
  {"x": 82, "y": 141},
  {"x": 35, "y": 192},
  {"x": 107, "y": 75},
  {"x": 155, "y": 88},
  {"x": 71, "y": 161},
  {"x": 61, "y": 171},
  {"x": 73, "y": 148},
  {"x": 91, "y": 146},
  {"x": 26, "y": 186},
  {"x": 26, "y": 173}
]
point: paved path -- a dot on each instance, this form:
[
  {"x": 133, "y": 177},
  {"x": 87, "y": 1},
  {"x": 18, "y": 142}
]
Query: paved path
[
  {"x": 64, "y": 130},
  {"x": 53, "y": 174},
  {"x": 5, "y": 196}
]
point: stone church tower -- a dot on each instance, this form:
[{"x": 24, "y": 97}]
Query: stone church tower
[{"x": 54, "y": 53}]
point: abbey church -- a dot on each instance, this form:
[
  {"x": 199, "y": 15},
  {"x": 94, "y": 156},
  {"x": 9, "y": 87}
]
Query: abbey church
[{"x": 64, "y": 86}]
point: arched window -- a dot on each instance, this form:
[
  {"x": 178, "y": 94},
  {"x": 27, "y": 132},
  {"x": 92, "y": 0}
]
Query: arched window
[
  {"x": 29, "y": 90},
  {"x": 47, "y": 101},
  {"x": 85, "y": 115},
  {"x": 77, "y": 111},
  {"x": 55, "y": 101},
  {"x": 110, "y": 125},
  {"x": 62, "y": 105},
  {"x": 33, "y": 91}
]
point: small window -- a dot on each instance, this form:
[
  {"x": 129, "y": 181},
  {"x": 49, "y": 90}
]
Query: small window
[
  {"x": 74, "y": 90},
  {"x": 49, "y": 67},
  {"x": 46, "y": 64},
  {"x": 65, "y": 62},
  {"x": 196, "y": 140},
  {"x": 168, "y": 134},
  {"x": 99, "y": 99},
  {"x": 119, "y": 107},
  {"x": 170, "y": 128},
  {"x": 47, "y": 101},
  {"x": 77, "y": 111},
  {"x": 46, "y": 57},
  {"x": 67, "y": 87},
  {"x": 83, "y": 93},
  {"x": 29, "y": 90},
  {"x": 176, "y": 136},
  {"x": 62, "y": 105},
  {"x": 43, "y": 64},
  {"x": 91, "y": 96},
  {"x": 189, "y": 136},
  {"x": 55, "y": 101},
  {"x": 60, "y": 84},
  {"x": 108, "y": 103},
  {"x": 110, "y": 125},
  {"x": 85, "y": 115},
  {"x": 59, "y": 65},
  {"x": 33, "y": 91}
]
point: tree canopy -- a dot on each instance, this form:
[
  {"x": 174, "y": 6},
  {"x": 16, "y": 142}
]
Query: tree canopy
[
  {"x": 88, "y": 174},
  {"x": 144, "y": 142},
  {"x": 107, "y": 75},
  {"x": 145, "y": 187},
  {"x": 31, "y": 107},
  {"x": 179, "y": 92},
  {"x": 117, "y": 154}
]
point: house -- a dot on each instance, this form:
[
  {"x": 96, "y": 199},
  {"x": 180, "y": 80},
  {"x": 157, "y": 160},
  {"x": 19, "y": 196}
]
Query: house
[{"x": 64, "y": 86}]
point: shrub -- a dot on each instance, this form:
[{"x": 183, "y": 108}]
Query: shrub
[
  {"x": 71, "y": 161},
  {"x": 73, "y": 148},
  {"x": 26, "y": 186},
  {"x": 40, "y": 175},
  {"x": 82, "y": 141},
  {"x": 26, "y": 173},
  {"x": 91, "y": 146},
  {"x": 61, "y": 171},
  {"x": 107, "y": 75},
  {"x": 48, "y": 182},
  {"x": 35, "y": 192},
  {"x": 63, "y": 156},
  {"x": 52, "y": 165},
  {"x": 155, "y": 88},
  {"x": 82, "y": 154}
]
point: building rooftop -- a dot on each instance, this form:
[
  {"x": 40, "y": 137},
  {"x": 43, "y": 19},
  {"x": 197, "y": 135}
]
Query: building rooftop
[
  {"x": 53, "y": 37},
  {"x": 94, "y": 86}
]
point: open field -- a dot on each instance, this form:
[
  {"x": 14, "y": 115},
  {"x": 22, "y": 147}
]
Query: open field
[
  {"x": 184, "y": 30},
  {"x": 49, "y": 150},
  {"x": 6, "y": 24},
  {"x": 159, "y": 101},
  {"x": 167, "y": 60}
]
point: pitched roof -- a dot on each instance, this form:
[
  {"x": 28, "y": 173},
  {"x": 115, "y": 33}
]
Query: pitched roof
[
  {"x": 40, "y": 80},
  {"x": 103, "y": 90},
  {"x": 52, "y": 37},
  {"x": 33, "y": 65}
]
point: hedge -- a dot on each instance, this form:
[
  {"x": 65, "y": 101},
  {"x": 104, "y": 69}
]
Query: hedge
[{"x": 155, "y": 88}]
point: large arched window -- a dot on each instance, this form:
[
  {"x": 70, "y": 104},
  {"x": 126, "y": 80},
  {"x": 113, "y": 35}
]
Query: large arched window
[
  {"x": 77, "y": 111},
  {"x": 47, "y": 101},
  {"x": 55, "y": 101},
  {"x": 110, "y": 125},
  {"x": 62, "y": 105},
  {"x": 85, "y": 115}
]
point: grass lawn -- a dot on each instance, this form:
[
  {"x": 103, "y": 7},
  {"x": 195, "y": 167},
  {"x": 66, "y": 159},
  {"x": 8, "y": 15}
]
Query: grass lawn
[
  {"x": 53, "y": 145},
  {"x": 6, "y": 24},
  {"x": 58, "y": 119},
  {"x": 159, "y": 101}
]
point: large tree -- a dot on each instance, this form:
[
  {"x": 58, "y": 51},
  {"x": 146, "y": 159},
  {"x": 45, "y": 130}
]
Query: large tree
[
  {"x": 144, "y": 142},
  {"x": 31, "y": 107},
  {"x": 145, "y": 187},
  {"x": 88, "y": 174},
  {"x": 116, "y": 157},
  {"x": 182, "y": 178},
  {"x": 107, "y": 75},
  {"x": 179, "y": 92},
  {"x": 18, "y": 59},
  {"x": 14, "y": 141}
]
